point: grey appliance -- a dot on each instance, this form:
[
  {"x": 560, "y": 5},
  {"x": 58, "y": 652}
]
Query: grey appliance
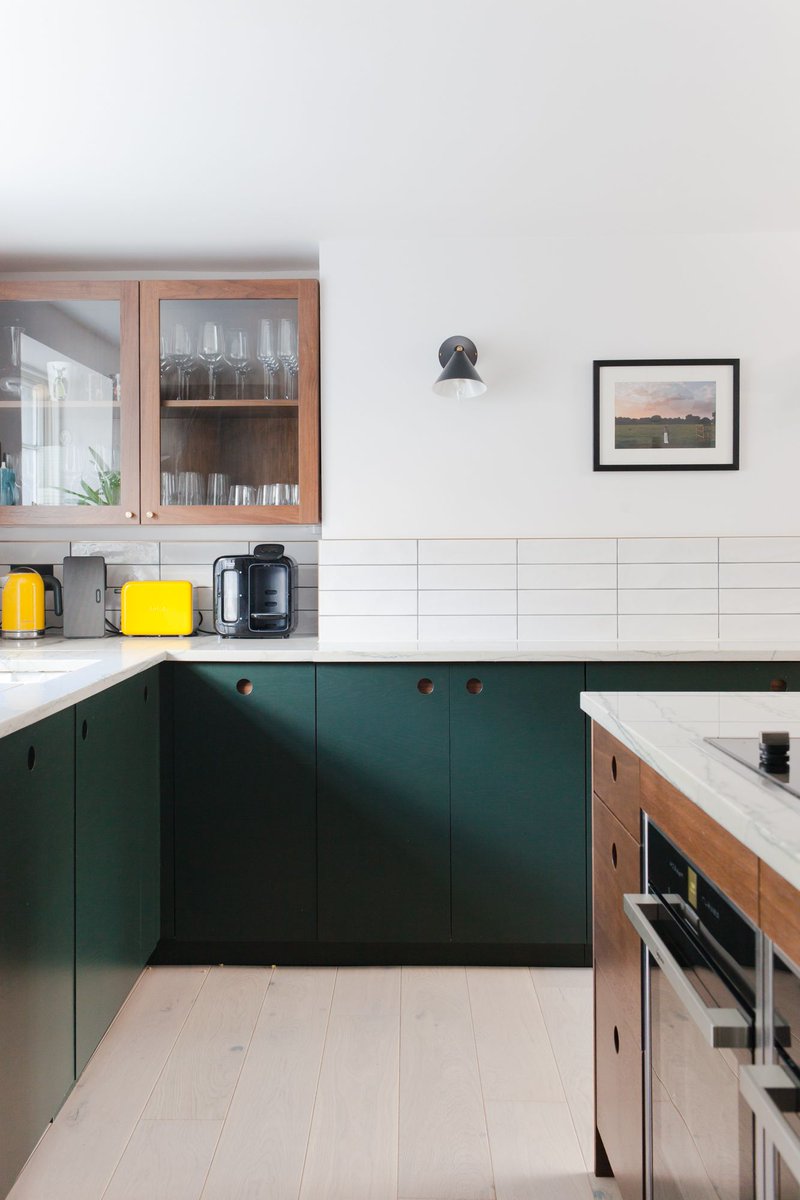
[
  {"x": 255, "y": 594},
  {"x": 84, "y": 584},
  {"x": 701, "y": 957}
]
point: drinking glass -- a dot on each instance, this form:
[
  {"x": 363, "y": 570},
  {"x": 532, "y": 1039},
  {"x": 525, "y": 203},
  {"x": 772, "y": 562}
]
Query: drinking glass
[
  {"x": 11, "y": 377},
  {"x": 266, "y": 354},
  {"x": 218, "y": 488},
  {"x": 287, "y": 353},
  {"x": 210, "y": 352},
  {"x": 238, "y": 356},
  {"x": 266, "y": 494},
  {"x": 169, "y": 487},
  {"x": 191, "y": 487},
  {"x": 240, "y": 493},
  {"x": 182, "y": 355}
]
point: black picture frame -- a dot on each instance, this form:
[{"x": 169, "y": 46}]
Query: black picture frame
[{"x": 614, "y": 459}]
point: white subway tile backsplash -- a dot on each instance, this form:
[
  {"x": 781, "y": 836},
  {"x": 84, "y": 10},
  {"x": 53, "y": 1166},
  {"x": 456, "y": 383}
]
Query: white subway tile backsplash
[
  {"x": 575, "y": 601},
  {"x": 752, "y": 627},
  {"x": 393, "y": 552},
  {"x": 567, "y": 550},
  {"x": 567, "y": 575},
  {"x": 468, "y": 603},
  {"x": 142, "y": 553},
  {"x": 568, "y": 628},
  {"x": 368, "y": 603},
  {"x": 204, "y": 552},
  {"x": 307, "y": 575},
  {"x": 357, "y": 630},
  {"x": 33, "y": 552},
  {"x": 467, "y": 629},
  {"x": 116, "y": 575},
  {"x": 667, "y": 575},
  {"x": 480, "y": 551},
  {"x": 199, "y": 575},
  {"x": 668, "y": 600},
  {"x": 665, "y": 550},
  {"x": 367, "y": 578},
  {"x": 759, "y": 549},
  {"x": 301, "y": 552},
  {"x": 307, "y": 625},
  {"x": 448, "y": 578},
  {"x": 763, "y": 574},
  {"x": 306, "y": 599},
  {"x": 759, "y": 600},
  {"x": 661, "y": 627}
]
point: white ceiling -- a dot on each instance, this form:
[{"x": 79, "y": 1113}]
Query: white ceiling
[{"x": 240, "y": 133}]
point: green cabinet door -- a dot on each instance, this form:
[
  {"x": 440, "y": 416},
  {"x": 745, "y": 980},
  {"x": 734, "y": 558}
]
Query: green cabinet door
[
  {"x": 245, "y": 820},
  {"x": 692, "y": 676},
  {"x": 36, "y": 934},
  {"x": 383, "y": 803},
  {"x": 518, "y": 804},
  {"x": 116, "y": 850}
]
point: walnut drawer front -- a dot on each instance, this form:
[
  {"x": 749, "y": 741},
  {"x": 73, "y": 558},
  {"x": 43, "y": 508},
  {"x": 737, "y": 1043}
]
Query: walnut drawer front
[
  {"x": 615, "y": 779},
  {"x": 779, "y": 905},
  {"x": 619, "y": 1091},
  {"x": 616, "y": 870}
]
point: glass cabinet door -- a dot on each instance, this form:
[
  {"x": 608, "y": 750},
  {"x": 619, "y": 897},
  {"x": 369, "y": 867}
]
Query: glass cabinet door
[
  {"x": 69, "y": 403},
  {"x": 230, "y": 412}
]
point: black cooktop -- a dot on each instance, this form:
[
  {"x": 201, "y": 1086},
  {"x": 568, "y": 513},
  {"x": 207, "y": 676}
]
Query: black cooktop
[{"x": 748, "y": 751}]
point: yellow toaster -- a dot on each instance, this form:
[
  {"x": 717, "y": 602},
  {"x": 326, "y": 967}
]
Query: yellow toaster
[{"x": 152, "y": 608}]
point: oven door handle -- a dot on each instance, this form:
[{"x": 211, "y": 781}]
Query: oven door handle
[
  {"x": 721, "y": 1027},
  {"x": 770, "y": 1092}
]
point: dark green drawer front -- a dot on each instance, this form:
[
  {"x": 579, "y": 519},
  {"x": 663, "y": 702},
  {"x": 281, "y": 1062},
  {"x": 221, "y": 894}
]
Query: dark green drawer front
[
  {"x": 245, "y": 829},
  {"x": 36, "y": 934},
  {"x": 692, "y": 676},
  {"x": 117, "y": 850},
  {"x": 518, "y": 804},
  {"x": 383, "y": 803}
]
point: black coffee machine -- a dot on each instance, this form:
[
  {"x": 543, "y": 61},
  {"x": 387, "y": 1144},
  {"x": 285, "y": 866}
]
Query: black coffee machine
[{"x": 255, "y": 594}]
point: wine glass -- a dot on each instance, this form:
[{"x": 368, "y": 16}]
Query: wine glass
[
  {"x": 238, "y": 356},
  {"x": 182, "y": 355},
  {"x": 266, "y": 354},
  {"x": 210, "y": 352},
  {"x": 287, "y": 353}
]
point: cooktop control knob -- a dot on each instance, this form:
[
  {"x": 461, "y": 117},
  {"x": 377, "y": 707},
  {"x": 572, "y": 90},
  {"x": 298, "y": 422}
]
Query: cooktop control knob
[{"x": 773, "y": 752}]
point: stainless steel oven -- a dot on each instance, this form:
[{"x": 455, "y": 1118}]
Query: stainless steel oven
[{"x": 701, "y": 968}]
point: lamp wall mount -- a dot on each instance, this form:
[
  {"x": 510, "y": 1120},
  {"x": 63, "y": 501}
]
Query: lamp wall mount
[{"x": 449, "y": 347}]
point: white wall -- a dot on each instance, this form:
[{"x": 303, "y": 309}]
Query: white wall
[{"x": 399, "y": 461}]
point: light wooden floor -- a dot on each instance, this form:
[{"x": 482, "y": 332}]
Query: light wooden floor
[{"x": 237, "y": 1083}]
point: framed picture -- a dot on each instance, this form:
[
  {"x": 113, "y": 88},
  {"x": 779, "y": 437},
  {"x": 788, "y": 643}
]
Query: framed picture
[{"x": 677, "y": 414}]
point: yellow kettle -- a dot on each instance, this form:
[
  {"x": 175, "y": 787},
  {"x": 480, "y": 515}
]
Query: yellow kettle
[{"x": 23, "y": 603}]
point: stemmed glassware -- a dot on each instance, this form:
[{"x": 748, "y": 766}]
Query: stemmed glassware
[
  {"x": 287, "y": 353},
  {"x": 238, "y": 358},
  {"x": 210, "y": 352},
  {"x": 266, "y": 354},
  {"x": 182, "y": 355}
]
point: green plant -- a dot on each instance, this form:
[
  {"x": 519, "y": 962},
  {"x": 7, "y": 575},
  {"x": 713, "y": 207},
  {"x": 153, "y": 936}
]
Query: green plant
[{"x": 107, "y": 490}]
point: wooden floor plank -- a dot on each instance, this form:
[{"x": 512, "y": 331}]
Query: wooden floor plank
[
  {"x": 165, "y": 1160},
  {"x": 561, "y": 977},
  {"x": 262, "y": 1148},
  {"x": 535, "y": 1152},
  {"x": 79, "y": 1153},
  {"x": 514, "y": 1052},
  {"x": 443, "y": 1149},
  {"x": 352, "y": 1150},
  {"x": 201, "y": 1072},
  {"x": 568, "y": 1016}
]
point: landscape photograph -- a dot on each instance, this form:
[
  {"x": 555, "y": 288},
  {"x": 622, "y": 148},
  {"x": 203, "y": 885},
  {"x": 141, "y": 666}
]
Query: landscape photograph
[{"x": 672, "y": 415}]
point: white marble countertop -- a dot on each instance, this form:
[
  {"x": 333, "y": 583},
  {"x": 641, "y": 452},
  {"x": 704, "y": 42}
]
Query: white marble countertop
[{"x": 666, "y": 730}]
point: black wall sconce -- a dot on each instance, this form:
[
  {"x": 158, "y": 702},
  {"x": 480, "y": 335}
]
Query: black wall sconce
[{"x": 459, "y": 378}]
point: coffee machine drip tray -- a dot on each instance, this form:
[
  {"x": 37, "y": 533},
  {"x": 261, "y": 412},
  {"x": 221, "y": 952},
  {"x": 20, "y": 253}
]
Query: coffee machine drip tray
[{"x": 750, "y": 752}]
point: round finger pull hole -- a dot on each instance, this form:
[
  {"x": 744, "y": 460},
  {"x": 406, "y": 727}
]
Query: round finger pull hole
[
  {"x": 425, "y": 686},
  {"x": 616, "y": 1040},
  {"x": 614, "y": 854},
  {"x": 474, "y": 687},
  {"x": 145, "y": 693},
  {"x": 84, "y": 730},
  {"x": 31, "y": 757},
  {"x": 244, "y": 687},
  {"x": 777, "y": 685},
  {"x": 614, "y": 767}
]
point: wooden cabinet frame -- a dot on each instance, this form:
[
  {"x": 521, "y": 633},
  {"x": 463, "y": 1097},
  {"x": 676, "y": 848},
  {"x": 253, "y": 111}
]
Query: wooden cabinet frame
[
  {"x": 127, "y": 293},
  {"x": 306, "y": 293}
]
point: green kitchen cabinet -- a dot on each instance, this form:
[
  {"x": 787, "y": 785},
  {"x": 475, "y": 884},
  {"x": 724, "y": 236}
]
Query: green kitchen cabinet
[
  {"x": 692, "y": 676},
  {"x": 244, "y": 803},
  {"x": 117, "y": 832},
  {"x": 518, "y": 804},
  {"x": 383, "y": 803},
  {"x": 36, "y": 933}
]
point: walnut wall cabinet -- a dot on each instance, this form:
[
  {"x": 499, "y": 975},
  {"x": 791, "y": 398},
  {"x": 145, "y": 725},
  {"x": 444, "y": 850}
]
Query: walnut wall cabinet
[{"x": 171, "y": 402}]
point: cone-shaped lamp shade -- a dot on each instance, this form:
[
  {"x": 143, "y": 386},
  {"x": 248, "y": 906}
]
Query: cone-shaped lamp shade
[{"x": 459, "y": 378}]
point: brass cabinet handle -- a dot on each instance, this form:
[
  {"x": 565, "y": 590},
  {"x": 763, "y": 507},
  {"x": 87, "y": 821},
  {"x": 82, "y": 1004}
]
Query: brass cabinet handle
[
  {"x": 130, "y": 515},
  {"x": 151, "y": 515}
]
